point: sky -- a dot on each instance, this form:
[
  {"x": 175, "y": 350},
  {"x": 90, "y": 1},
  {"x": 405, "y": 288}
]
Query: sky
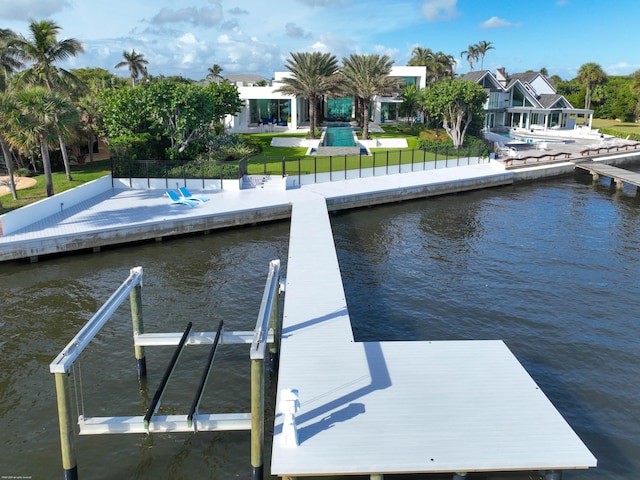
[{"x": 256, "y": 36}]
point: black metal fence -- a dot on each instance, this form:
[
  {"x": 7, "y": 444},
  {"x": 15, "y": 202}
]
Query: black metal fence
[
  {"x": 194, "y": 169},
  {"x": 320, "y": 168}
]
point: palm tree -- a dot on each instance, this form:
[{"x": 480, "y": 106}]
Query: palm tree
[
  {"x": 420, "y": 57},
  {"x": 34, "y": 120},
  {"x": 590, "y": 75},
  {"x": 366, "y": 76},
  {"x": 439, "y": 65},
  {"x": 214, "y": 72},
  {"x": 482, "y": 48},
  {"x": 9, "y": 63},
  {"x": 313, "y": 75},
  {"x": 471, "y": 53},
  {"x": 43, "y": 49},
  {"x": 136, "y": 63}
]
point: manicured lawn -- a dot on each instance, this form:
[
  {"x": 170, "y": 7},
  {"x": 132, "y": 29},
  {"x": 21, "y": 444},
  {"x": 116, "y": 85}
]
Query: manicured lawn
[
  {"x": 79, "y": 173},
  {"x": 625, "y": 128},
  {"x": 269, "y": 160}
]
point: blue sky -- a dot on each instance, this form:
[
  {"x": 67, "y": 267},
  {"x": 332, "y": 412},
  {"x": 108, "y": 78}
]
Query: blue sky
[{"x": 256, "y": 36}]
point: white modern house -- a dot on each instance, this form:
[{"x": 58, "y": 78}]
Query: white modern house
[
  {"x": 527, "y": 101},
  {"x": 264, "y": 107}
]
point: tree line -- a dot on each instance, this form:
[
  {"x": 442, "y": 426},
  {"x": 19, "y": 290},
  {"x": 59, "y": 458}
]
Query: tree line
[{"x": 47, "y": 112}]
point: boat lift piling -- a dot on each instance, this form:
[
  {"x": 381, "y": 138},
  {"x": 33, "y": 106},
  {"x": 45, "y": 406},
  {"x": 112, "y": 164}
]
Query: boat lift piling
[{"x": 263, "y": 336}]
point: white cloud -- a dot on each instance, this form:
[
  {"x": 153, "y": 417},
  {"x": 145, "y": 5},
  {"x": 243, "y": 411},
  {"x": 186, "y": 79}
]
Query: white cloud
[
  {"x": 205, "y": 16},
  {"x": 31, "y": 9},
  {"x": 621, "y": 68},
  {"x": 497, "y": 22},
  {"x": 294, "y": 31},
  {"x": 436, "y": 10}
]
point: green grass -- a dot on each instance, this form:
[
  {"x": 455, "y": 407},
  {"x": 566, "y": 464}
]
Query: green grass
[
  {"x": 269, "y": 160},
  {"x": 625, "y": 128},
  {"x": 79, "y": 173}
]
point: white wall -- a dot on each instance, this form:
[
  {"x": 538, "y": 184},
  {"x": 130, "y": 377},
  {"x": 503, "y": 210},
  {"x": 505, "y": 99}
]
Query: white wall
[{"x": 21, "y": 217}]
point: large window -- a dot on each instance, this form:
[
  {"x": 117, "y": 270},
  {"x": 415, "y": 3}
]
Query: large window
[
  {"x": 339, "y": 109},
  {"x": 269, "y": 110},
  {"x": 389, "y": 111}
]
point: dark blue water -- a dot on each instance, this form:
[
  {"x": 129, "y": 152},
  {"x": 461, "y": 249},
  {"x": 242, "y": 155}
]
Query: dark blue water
[{"x": 551, "y": 268}]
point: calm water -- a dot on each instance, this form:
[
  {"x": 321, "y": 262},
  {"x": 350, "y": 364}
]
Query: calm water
[{"x": 551, "y": 268}]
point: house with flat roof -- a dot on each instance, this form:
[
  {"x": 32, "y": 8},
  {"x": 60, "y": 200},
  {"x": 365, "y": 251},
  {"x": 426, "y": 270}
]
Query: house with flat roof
[
  {"x": 527, "y": 100},
  {"x": 264, "y": 106}
]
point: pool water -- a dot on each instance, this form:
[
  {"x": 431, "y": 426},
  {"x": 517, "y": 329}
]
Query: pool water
[{"x": 339, "y": 137}]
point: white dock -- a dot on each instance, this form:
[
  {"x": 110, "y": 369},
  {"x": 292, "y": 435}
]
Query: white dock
[
  {"x": 400, "y": 407},
  {"x": 366, "y": 408}
]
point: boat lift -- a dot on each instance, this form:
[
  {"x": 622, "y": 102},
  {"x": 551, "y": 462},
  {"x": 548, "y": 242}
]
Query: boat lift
[{"x": 266, "y": 333}]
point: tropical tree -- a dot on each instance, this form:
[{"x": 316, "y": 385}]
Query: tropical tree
[
  {"x": 35, "y": 120},
  {"x": 9, "y": 63},
  {"x": 411, "y": 102},
  {"x": 366, "y": 76},
  {"x": 482, "y": 48},
  {"x": 439, "y": 64},
  {"x": 43, "y": 49},
  {"x": 471, "y": 54},
  {"x": 420, "y": 57},
  {"x": 590, "y": 75},
  {"x": 456, "y": 103},
  {"x": 214, "y": 72},
  {"x": 313, "y": 75},
  {"x": 136, "y": 63}
]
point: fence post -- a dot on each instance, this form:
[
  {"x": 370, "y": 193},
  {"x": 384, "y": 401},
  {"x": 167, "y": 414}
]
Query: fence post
[
  {"x": 315, "y": 169},
  {"x": 345, "y": 166},
  {"x": 331, "y": 168},
  {"x": 360, "y": 166},
  {"x": 386, "y": 170}
]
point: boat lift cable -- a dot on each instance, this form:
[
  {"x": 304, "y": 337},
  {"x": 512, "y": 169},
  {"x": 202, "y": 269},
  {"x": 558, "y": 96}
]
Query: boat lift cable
[
  {"x": 203, "y": 380},
  {"x": 155, "y": 403}
]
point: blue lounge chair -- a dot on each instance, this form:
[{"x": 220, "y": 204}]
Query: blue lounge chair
[
  {"x": 186, "y": 194},
  {"x": 175, "y": 199}
]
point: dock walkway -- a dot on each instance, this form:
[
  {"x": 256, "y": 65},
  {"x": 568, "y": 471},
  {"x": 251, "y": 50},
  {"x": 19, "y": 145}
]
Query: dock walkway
[
  {"x": 618, "y": 175},
  {"x": 375, "y": 408}
]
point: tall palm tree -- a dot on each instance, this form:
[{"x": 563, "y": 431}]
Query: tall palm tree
[
  {"x": 43, "y": 50},
  {"x": 136, "y": 63},
  {"x": 214, "y": 72},
  {"x": 471, "y": 53},
  {"x": 313, "y": 75},
  {"x": 366, "y": 76},
  {"x": 439, "y": 65},
  {"x": 34, "y": 120},
  {"x": 482, "y": 48},
  {"x": 590, "y": 75},
  {"x": 9, "y": 63},
  {"x": 420, "y": 57}
]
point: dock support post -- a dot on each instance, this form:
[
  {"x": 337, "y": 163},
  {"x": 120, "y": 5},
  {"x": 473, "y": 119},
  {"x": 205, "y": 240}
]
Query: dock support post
[
  {"x": 67, "y": 439},
  {"x": 377, "y": 476},
  {"x": 553, "y": 475},
  {"x": 460, "y": 476},
  {"x": 135, "y": 298},
  {"x": 257, "y": 419}
]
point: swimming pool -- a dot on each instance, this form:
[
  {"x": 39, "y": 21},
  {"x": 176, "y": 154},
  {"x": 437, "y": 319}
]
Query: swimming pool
[
  {"x": 339, "y": 136},
  {"x": 527, "y": 139}
]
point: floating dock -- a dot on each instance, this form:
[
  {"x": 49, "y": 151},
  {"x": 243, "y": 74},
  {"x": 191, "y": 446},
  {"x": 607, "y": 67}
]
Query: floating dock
[{"x": 619, "y": 176}]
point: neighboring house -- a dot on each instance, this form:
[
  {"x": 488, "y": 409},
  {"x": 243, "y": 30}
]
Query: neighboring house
[
  {"x": 263, "y": 105},
  {"x": 526, "y": 100}
]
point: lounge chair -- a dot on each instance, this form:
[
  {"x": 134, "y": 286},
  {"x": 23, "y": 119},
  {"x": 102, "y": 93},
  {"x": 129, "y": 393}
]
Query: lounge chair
[
  {"x": 175, "y": 199},
  {"x": 186, "y": 194}
]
